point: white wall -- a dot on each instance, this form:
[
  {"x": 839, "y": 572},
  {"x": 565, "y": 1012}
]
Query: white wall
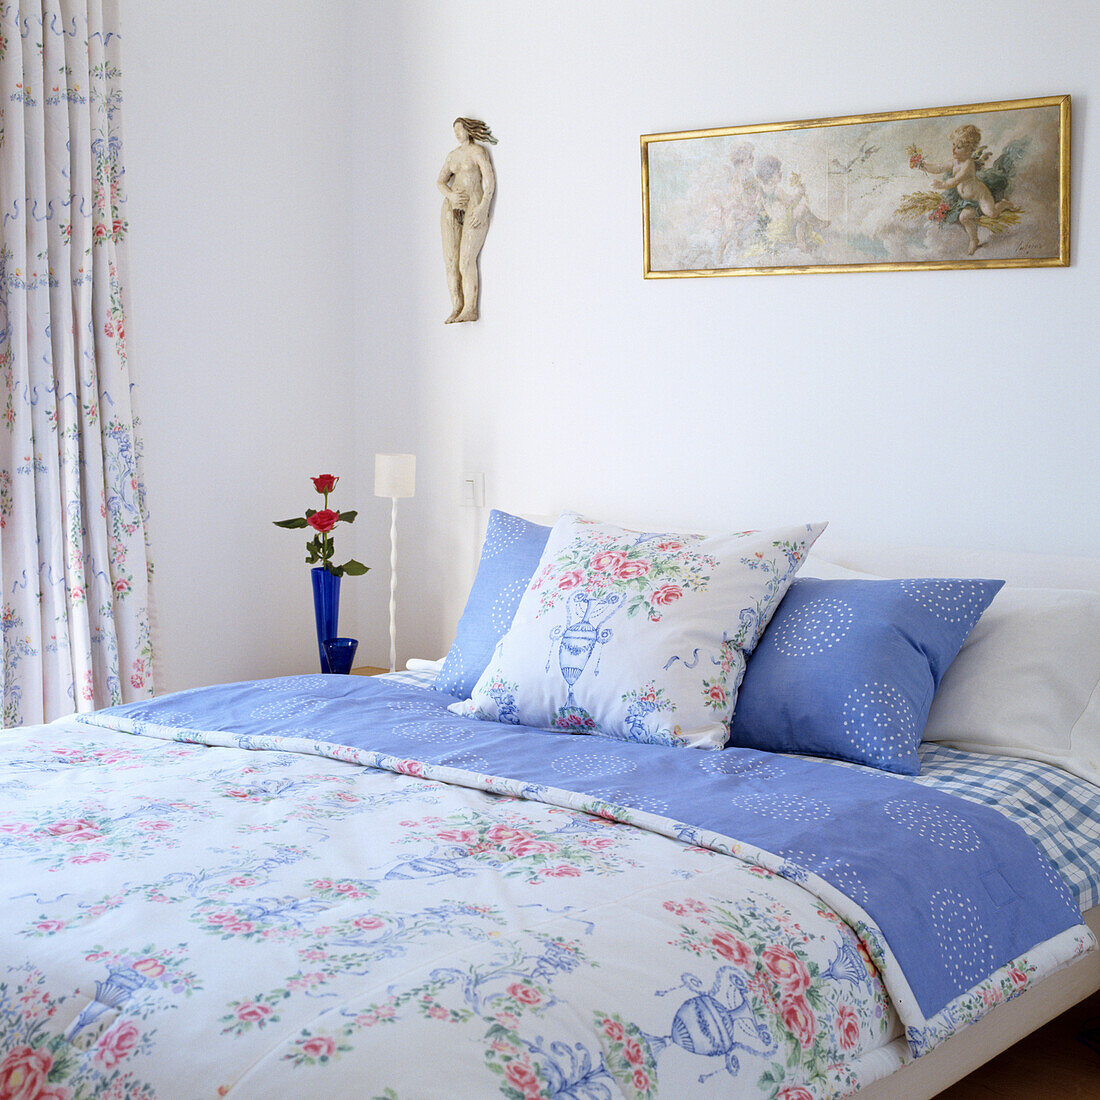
[
  {"x": 239, "y": 130},
  {"x": 289, "y": 298},
  {"x": 945, "y": 408}
]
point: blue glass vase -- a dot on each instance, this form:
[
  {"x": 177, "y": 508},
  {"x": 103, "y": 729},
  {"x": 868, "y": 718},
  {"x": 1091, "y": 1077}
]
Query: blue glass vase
[
  {"x": 326, "y": 609},
  {"x": 340, "y": 653}
]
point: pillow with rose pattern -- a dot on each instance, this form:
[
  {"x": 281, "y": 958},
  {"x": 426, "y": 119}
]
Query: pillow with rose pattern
[{"x": 638, "y": 635}]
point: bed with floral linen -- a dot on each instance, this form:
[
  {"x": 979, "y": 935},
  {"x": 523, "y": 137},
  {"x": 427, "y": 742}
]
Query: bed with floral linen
[
  {"x": 661, "y": 824},
  {"x": 315, "y": 886}
]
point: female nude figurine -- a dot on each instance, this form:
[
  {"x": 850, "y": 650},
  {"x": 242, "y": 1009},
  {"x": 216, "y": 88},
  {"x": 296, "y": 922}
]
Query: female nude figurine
[{"x": 466, "y": 182}]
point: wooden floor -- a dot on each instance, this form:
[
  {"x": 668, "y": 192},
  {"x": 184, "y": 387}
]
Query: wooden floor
[{"x": 1048, "y": 1063}]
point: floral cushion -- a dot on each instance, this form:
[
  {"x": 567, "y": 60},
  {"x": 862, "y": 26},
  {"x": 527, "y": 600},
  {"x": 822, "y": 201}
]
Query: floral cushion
[{"x": 638, "y": 635}]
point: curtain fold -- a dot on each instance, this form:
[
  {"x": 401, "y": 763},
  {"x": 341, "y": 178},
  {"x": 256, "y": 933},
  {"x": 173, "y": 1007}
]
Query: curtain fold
[{"x": 74, "y": 571}]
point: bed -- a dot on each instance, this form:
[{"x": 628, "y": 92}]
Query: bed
[{"x": 343, "y": 886}]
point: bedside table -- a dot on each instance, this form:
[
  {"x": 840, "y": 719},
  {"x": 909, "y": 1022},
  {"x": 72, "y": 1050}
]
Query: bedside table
[{"x": 368, "y": 670}]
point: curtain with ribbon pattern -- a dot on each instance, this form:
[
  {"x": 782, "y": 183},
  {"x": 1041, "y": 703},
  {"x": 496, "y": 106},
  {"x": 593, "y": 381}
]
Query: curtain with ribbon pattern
[{"x": 73, "y": 562}]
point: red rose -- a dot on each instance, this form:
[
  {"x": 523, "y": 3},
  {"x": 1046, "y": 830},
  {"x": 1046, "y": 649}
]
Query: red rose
[
  {"x": 324, "y": 520},
  {"x": 320, "y": 1046},
  {"x": 631, "y": 569},
  {"x": 847, "y": 1026},
  {"x": 608, "y": 561},
  {"x": 523, "y": 1077},
  {"x": 666, "y": 594},
  {"x": 571, "y": 580},
  {"x": 787, "y": 970},
  {"x": 325, "y": 483},
  {"x": 731, "y": 948},
  {"x": 23, "y": 1073},
  {"x": 795, "y": 1092},
  {"x": 641, "y": 1081},
  {"x": 525, "y": 994},
  {"x": 798, "y": 1019},
  {"x": 632, "y": 1052},
  {"x": 1019, "y": 978},
  {"x": 117, "y": 1044},
  {"x": 252, "y": 1013},
  {"x": 613, "y": 1030}
]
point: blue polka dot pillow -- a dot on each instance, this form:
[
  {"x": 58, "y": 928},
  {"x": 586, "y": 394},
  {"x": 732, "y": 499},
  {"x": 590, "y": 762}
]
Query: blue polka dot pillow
[
  {"x": 848, "y": 669},
  {"x": 509, "y": 555}
]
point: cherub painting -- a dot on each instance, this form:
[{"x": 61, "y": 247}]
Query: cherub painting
[
  {"x": 970, "y": 194},
  {"x": 841, "y": 194}
]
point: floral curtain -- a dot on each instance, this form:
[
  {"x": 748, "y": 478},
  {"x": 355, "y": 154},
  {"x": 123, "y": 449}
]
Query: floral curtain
[{"x": 73, "y": 563}]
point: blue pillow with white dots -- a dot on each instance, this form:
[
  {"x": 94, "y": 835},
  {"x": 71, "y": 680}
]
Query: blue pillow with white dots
[
  {"x": 509, "y": 557},
  {"x": 847, "y": 669}
]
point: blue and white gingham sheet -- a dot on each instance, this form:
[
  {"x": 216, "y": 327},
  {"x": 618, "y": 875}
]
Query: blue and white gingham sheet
[{"x": 1059, "y": 811}]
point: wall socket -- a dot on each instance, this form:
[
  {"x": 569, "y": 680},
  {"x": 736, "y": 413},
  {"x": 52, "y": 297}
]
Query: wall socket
[{"x": 472, "y": 492}]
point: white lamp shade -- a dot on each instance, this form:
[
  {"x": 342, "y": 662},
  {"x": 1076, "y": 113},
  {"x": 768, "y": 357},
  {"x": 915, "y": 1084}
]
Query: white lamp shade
[{"x": 394, "y": 475}]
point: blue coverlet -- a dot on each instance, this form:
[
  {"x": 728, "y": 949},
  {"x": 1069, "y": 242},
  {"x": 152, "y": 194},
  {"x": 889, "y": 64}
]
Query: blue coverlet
[{"x": 956, "y": 890}]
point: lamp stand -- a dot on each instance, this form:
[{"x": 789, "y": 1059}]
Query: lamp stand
[{"x": 393, "y": 584}]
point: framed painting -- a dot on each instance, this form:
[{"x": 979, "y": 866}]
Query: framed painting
[{"x": 978, "y": 185}]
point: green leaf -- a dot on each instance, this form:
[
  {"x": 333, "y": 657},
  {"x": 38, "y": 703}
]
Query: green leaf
[
  {"x": 297, "y": 521},
  {"x": 348, "y": 517},
  {"x": 310, "y": 512},
  {"x": 355, "y": 568}
]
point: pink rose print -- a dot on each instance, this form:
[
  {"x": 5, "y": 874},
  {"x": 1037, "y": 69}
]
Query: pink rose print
[
  {"x": 89, "y": 857},
  {"x": 641, "y": 1080},
  {"x": 117, "y": 1044},
  {"x": 717, "y": 693},
  {"x": 528, "y": 846},
  {"x": 666, "y": 594},
  {"x": 504, "y": 833},
  {"x": 597, "y": 843},
  {"x": 149, "y": 968},
  {"x": 794, "y": 1092},
  {"x": 631, "y": 569},
  {"x": 1019, "y": 978},
  {"x": 729, "y": 947},
  {"x": 242, "y": 880},
  {"x": 573, "y": 579},
  {"x": 319, "y": 1046},
  {"x": 522, "y": 1077},
  {"x": 798, "y": 1019},
  {"x": 847, "y": 1026},
  {"x": 563, "y": 870},
  {"x": 613, "y": 1030},
  {"x": 23, "y": 1073},
  {"x": 410, "y": 767},
  {"x": 787, "y": 970},
  {"x": 462, "y": 836},
  {"x": 367, "y": 924},
  {"x": 50, "y": 926},
  {"x": 609, "y": 561},
  {"x": 632, "y": 1052},
  {"x": 74, "y": 830},
  {"x": 252, "y": 1013},
  {"x": 525, "y": 994}
]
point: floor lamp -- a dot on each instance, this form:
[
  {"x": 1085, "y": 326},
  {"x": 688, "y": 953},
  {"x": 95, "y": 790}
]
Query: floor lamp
[{"x": 394, "y": 477}]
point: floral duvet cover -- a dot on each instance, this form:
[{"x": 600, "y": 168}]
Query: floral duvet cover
[{"x": 322, "y": 886}]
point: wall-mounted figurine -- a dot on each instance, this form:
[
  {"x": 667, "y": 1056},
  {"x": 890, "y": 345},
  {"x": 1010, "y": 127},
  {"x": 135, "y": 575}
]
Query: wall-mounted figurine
[{"x": 466, "y": 182}]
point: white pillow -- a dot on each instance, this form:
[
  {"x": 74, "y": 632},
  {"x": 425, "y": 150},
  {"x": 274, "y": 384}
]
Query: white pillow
[
  {"x": 640, "y": 636},
  {"x": 1025, "y": 683}
]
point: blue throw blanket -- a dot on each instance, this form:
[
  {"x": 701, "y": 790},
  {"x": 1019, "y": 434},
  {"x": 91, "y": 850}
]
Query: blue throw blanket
[{"x": 954, "y": 890}]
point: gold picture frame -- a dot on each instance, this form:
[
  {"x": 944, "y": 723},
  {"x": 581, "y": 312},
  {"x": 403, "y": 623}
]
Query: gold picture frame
[{"x": 895, "y": 191}]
